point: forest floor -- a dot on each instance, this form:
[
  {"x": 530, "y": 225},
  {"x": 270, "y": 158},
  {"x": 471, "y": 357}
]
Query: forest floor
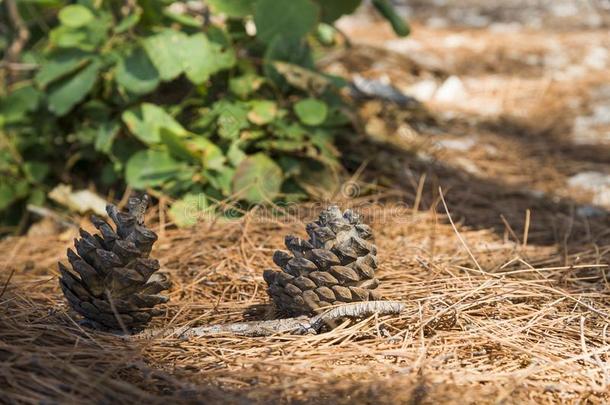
[{"x": 506, "y": 285}]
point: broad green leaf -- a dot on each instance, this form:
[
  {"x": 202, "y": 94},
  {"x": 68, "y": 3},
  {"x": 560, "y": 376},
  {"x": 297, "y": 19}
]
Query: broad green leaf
[
  {"x": 292, "y": 130},
  {"x": 176, "y": 145},
  {"x": 233, "y": 8},
  {"x": 262, "y": 111},
  {"x": 235, "y": 154},
  {"x": 67, "y": 37},
  {"x": 60, "y": 64},
  {"x": 232, "y": 118},
  {"x": 331, "y": 10},
  {"x": 151, "y": 168},
  {"x": 165, "y": 50},
  {"x": 106, "y": 133},
  {"x": 37, "y": 196},
  {"x": 193, "y": 148},
  {"x": 286, "y": 19},
  {"x": 221, "y": 179},
  {"x": 210, "y": 154},
  {"x": 203, "y": 58},
  {"x": 243, "y": 86},
  {"x": 257, "y": 179},
  {"x": 311, "y": 111},
  {"x": 11, "y": 191},
  {"x": 136, "y": 73},
  {"x": 146, "y": 121},
  {"x": 7, "y": 197},
  {"x": 35, "y": 171},
  {"x": 65, "y": 94},
  {"x": 75, "y": 16},
  {"x": 16, "y": 106},
  {"x": 88, "y": 37}
]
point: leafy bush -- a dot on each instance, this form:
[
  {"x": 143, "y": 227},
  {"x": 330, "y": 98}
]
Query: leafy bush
[{"x": 168, "y": 96}]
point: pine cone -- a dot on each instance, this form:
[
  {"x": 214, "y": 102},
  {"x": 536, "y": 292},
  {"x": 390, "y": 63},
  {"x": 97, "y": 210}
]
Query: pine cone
[
  {"x": 113, "y": 275},
  {"x": 336, "y": 265}
]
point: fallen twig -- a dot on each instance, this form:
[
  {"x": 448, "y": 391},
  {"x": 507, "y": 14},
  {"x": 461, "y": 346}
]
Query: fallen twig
[{"x": 296, "y": 326}]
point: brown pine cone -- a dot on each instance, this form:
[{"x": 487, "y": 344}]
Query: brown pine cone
[
  {"x": 336, "y": 265},
  {"x": 112, "y": 276}
]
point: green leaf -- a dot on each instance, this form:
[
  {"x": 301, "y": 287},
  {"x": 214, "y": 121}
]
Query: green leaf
[
  {"x": 176, "y": 145},
  {"x": 203, "y": 58},
  {"x": 189, "y": 209},
  {"x": 262, "y": 111},
  {"x": 75, "y": 16},
  {"x": 400, "y": 27},
  {"x": 106, "y": 133},
  {"x": 311, "y": 111},
  {"x": 11, "y": 191},
  {"x": 193, "y": 148},
  {"x": 165, "y": 50},
  {"x": 257, "y": 179},
  {"x": 65, "y": 94},
  {"x": 129, "y": 22},
  {"x": 243, "y": 86},
  {"x": 287, "y": 19},
  {"x": 60, "y": 64},
  {"x": 210, "y": 154},
  {"x": 232, "y": 118},
  {"x": 151, "y": 168},
  {"x": 16, "y": 106},
  {"x": 35, "y": 171},
  {"x": 146, "y": 121},
  {"x": 183, "y": 19},
  {"x": 233, "y": 8},
  {"x": 221, "y": 179},
  {"x": 136, "y": 73},
  {"x": 87, "y": 37},
  {"x": 292, "y": 51},
  {"x": 67, "y": 37},
  {"x": 331, "y": 10},
  {"x": 235, "y": 154},
  {"x": 7, "y": 197},
  {"x": 326, "y": 34}
]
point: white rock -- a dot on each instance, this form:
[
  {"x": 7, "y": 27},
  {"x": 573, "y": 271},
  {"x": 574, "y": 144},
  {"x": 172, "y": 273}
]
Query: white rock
[
  {"x": 451, "y": 91},
  {"x": 461, "y": 144},
  {"x": 423, "y": 90},
  {"x": 594, "y": 182},
  {"x": 596, "y": 58},
  {"x": 590, "y": 211},
  {"x": 563, "y": 9}
]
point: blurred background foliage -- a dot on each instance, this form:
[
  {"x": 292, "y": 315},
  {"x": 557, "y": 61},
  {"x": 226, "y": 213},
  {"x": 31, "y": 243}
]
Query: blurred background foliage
[{"x": 216, "y": 98}]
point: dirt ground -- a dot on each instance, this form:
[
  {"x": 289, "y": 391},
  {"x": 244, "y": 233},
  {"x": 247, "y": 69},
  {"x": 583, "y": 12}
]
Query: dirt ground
[{"x": 506, "y": 285}]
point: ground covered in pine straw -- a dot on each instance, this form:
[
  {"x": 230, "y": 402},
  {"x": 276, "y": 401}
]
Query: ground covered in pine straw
[{"x": 491, "y": 318}]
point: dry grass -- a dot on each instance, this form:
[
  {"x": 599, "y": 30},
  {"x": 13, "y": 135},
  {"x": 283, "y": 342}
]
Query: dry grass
[{"x": 529, "y": 326}]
